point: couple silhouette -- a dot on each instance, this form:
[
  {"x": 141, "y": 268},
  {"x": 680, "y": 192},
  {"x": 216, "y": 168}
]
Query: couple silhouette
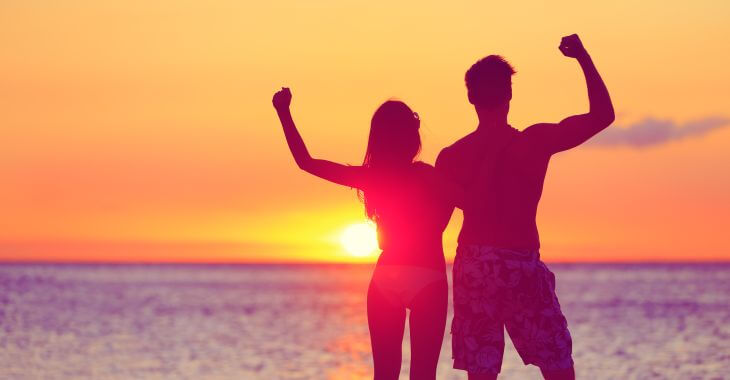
[{"x": 495, "y": 175}]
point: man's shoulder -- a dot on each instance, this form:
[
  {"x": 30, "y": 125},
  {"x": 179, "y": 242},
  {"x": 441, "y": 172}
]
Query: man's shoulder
[
  {"x": 450, "y": 153},
  {"x": 538, "y": 130},
  {"x": 458, "y": 146},
  {"x": 539, "y": 136}
]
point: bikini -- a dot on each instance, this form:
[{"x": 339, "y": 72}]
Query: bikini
[{"x": 400, "y": 284}]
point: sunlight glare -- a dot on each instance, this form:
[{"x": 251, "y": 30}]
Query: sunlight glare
[{"x": 360, "y": 239}]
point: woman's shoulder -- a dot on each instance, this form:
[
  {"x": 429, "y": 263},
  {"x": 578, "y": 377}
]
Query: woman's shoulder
[
  {"x": 426, "y": 171},
  {"x": 420, "y": 165}
]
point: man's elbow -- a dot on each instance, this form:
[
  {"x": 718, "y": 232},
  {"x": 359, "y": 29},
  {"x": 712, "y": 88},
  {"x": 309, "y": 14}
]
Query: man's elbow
[
  {"x": 608, "y": 119},
  {"x": 604, "y": 119},
  {"x": 610, "y": 115}
]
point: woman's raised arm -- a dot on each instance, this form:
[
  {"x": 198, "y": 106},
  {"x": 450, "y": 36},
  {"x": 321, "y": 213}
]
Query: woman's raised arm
[{"x": 352, "y": 176}]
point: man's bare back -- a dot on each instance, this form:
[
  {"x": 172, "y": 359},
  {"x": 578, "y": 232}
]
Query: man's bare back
[
  {"x": 504, "y": 197},
  {"x": 499, "y": 279},
  {"x": 503, "y": 169}
]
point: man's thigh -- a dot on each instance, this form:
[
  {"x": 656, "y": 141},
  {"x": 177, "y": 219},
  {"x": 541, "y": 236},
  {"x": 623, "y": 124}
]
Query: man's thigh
[
  {"x": 482, "y": 376},
  {"x": 538, "y": 327},
  {"x": 477, "y": 328}
]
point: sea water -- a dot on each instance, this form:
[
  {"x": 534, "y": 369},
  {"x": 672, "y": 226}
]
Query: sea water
[{"x": 63, "y": 321}]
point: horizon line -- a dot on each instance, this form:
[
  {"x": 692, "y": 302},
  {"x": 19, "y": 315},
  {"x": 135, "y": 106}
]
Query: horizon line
[{"x": 312, "y": 262}]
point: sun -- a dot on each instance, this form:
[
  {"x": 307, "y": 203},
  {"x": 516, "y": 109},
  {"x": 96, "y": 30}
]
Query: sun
[{"x": 360, "y": 239}]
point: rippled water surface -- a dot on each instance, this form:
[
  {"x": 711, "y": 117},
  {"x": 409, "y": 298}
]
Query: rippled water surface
[{"x": 308, "y": 322}]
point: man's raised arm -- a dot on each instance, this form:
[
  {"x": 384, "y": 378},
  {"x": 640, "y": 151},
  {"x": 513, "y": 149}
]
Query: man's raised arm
[{"x": 575, "y": 130}]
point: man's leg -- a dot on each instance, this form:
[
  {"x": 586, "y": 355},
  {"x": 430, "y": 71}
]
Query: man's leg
[
  {"x": 482, "y": 376},
  {"x": 559, "y": 374},
  {"x": 477, "y": 330},
  {"x": 539, "y": 309}
]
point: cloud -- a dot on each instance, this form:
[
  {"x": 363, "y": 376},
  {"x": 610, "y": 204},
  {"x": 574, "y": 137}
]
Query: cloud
[{"x": 650, "y": 132}]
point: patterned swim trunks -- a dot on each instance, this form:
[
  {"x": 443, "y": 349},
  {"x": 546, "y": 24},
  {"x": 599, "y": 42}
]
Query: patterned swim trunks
[{"x": 496, "y": 288}]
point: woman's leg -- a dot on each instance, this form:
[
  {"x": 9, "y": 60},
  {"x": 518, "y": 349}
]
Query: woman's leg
[
  {"x": 386, "y": 321},
  {"x": 427, "y": 323}
]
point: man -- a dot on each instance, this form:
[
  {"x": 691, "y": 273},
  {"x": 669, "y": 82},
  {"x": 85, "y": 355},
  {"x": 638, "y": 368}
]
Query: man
[{"x": 499, "y": 279}]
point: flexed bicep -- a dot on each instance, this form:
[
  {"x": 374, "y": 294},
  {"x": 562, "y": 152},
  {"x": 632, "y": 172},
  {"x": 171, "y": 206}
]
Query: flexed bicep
[
  {"x": 575, "y": 130},
  {"x": 569, "y": 133}
]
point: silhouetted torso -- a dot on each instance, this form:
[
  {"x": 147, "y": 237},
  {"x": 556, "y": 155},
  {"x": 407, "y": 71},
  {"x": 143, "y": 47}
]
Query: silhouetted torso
[
  {"x": 503, "y": 174},
  {"x": 413, "y": 212}
]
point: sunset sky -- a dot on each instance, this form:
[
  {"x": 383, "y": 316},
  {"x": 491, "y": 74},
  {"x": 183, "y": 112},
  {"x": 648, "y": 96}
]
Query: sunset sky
[{"x": 143, "y": 131}]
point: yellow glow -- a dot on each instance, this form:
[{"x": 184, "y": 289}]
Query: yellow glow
[
  {"x": 360, "y": 239},
  {"x": 159, "y": 142}
]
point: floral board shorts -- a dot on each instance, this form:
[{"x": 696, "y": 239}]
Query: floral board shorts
[{"x": 496, "y": 288}]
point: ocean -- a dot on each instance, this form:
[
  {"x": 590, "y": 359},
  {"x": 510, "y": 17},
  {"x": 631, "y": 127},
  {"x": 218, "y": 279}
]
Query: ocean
[{"x": 68, "y": 321}]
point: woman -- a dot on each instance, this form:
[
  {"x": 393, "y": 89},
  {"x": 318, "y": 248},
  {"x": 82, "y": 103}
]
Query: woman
[{"x": 411, "y": 205}]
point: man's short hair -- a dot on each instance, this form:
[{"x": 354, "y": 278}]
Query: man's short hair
[{"x": 489, "y": 81}]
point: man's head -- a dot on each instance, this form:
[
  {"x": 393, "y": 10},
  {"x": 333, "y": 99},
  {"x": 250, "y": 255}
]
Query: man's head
[{"x": 489, "y": 82}]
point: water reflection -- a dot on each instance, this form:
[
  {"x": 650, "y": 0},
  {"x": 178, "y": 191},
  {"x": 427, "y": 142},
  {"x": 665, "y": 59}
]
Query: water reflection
[{"x": 309, "y": 322}]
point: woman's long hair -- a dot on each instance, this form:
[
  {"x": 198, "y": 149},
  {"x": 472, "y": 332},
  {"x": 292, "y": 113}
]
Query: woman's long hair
[{"x": 393, "y": 144}]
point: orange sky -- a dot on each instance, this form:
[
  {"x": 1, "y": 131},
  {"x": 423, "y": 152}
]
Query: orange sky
[{"x": 143, "y": 131}]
